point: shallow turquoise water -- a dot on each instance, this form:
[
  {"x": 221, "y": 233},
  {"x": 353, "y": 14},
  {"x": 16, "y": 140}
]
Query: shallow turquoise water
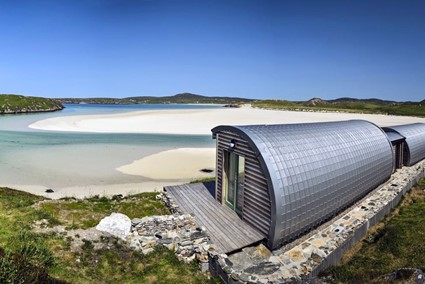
[
  {"x": 63, "y": 159},
  {"x": 20, "y": 122}
]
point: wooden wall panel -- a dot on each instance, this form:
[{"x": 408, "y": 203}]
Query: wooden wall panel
[{"x": 256, "y": 201}]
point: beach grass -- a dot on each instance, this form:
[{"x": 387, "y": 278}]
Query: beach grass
[
  {"x": 27, "y": 256},
  {"x": 395, "y": 243}
]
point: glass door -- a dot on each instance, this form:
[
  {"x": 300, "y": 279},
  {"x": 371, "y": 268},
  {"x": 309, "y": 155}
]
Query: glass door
[{"x": 234, "y": 181}]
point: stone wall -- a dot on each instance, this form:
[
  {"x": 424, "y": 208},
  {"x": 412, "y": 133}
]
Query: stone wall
[
  {"x": 176, "y": 232},
  {"x": 322, "y": 248},
  {"x": 170, "y": 203}
]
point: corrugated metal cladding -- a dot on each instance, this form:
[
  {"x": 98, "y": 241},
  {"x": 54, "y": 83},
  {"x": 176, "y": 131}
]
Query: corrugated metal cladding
[
  {"x": 314, "y": 170},
  {"x": 256, "y": 201},
  {"x": 414, "y": 146}
]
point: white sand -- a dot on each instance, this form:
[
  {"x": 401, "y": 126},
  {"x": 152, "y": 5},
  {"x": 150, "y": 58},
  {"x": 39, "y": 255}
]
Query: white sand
[
  {"x": 199, "y": 122},
  {"x": 165, "y": 168},
  {"x": 183, "y": 163},
  {"x": 91, "y": 190}
]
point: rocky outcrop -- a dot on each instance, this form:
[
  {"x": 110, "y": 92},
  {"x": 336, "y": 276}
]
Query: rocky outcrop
[{"x": 28, "y": 110}]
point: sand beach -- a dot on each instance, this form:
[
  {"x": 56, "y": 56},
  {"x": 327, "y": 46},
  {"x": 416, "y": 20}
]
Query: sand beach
[{"x": 200, "y": 121}]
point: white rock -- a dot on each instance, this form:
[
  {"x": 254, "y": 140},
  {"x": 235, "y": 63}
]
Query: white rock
[
  {"x": 118, "y": 225},
  {"x": 135, "y": 244}
]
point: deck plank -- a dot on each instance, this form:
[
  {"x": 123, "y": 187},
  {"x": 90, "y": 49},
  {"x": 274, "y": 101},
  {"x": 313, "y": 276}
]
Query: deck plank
[
  {"x": 203, "y": 219},
  {"x": 227, "y": 231}
]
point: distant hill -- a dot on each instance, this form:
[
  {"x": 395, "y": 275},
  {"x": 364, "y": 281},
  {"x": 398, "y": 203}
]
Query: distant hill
[
  {"x": 374, "y": 101},
  {"x": 374, "y": 106},
  {"x": 12, "y": 104},
  {"x": 183, "y": 98},
  {"x": 315, "y": 102}
]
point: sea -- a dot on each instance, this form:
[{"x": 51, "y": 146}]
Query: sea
[{"x": 67, "y": 159}]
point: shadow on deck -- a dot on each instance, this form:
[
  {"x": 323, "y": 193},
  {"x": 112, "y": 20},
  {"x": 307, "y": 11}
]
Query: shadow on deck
[{"x": 227, "y": 231}]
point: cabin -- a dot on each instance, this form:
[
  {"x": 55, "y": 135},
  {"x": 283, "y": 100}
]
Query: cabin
[
  {"x": 414, "y": 145},
  {"x": 398, "y": 147},
  {"x": 284, "y": 180}
]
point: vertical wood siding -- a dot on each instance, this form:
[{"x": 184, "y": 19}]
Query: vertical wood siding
[{"x": 256, "y": 201}]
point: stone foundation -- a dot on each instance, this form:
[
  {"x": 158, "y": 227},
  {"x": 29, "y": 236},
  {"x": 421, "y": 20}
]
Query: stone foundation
[{"x": 322, "y": 248}]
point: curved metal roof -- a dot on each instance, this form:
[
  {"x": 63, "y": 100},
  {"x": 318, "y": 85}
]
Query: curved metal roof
[
  {"x": 316, "y": 169},
  {"x": 415, "y": 140}
]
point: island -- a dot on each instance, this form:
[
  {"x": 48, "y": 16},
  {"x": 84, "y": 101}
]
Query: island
[{"x": 14, "y": 104}]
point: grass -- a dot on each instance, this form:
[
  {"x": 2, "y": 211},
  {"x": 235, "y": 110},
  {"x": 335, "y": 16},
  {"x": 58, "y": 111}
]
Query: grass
[
  {"x": 24, "y": 256},
  {"x": 30, "y": 257},
  {"x": 209, "y": 179},
  {"x": 395, "y": 243},
  {"x": 123, "y": 265},
  {"x": 17, "y": 104},
  {"x": 87, "y": 213},
  {"x": 407, "y": 109}
]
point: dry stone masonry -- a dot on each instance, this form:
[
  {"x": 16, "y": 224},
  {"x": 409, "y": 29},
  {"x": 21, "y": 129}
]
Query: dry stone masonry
[{"x": 178, "y": 233}]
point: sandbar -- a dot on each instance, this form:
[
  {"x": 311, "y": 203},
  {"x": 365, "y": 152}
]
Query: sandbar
[
  {"x": 183, "y": 163},
  {"x": 200, "y": 121},
  {"x": 170, "y": 167}
]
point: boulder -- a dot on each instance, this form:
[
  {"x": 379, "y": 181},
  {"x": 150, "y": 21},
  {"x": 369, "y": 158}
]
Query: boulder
[{"x": 117, "y": 224}]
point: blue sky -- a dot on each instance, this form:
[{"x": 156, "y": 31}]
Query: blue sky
[{"x": 291, "y": 50}]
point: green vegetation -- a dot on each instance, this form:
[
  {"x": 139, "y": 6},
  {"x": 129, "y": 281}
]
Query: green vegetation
[
  {"x": 24, "y": 255},
  {"x": 374, "y": 106},
  {"x": 27, "y": 256},
  {"x": 395, "y": 243},
  {"x": 184, "y": 98},
  {"x": 209, "y": 179},
  {"x": 88, "y": 212},
  {"x": 21, "y": 104}
]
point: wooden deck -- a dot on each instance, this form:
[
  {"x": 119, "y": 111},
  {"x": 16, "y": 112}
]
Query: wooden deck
[{"x": 227, "y": 231}]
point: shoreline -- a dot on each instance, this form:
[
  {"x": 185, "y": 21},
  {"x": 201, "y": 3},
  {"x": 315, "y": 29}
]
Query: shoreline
[
  {"x": 200, "y": 121},
  {"x": 150, "y": 173},
  {"x": 81, "y": 192}
]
